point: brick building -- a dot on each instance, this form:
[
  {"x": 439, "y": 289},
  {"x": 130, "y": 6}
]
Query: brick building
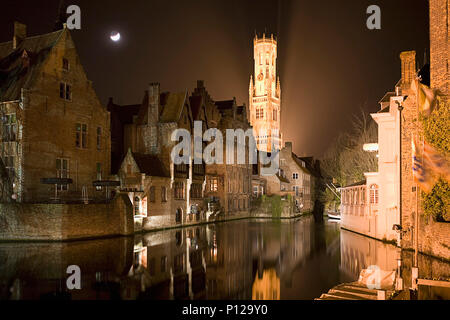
[
  {"x": 389, "y": 198},
  {"x": 293, "y": 178},
  {"x": 146, "y": 134},
  {"x": 227, "y": 185},
  {"x": 434, "y": 237},
  {"x": 53, "y": 124}
]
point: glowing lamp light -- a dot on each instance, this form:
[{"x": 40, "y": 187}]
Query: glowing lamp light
[{"x": 370, "y": 147}]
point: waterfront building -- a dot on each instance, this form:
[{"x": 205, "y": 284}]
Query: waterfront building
[
  {"x": 386, "y": 205},
  {"x": 293, "y": 178},
  {"x": 265, "y": 95},
  {"x": 148, "y": 138},
  {"x": 53, "y": 124},
  {"x": 228, "y": 186}
]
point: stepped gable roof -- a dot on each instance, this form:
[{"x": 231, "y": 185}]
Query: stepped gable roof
[
  {"x": 151, "y": 165},
  {"x": 20, "y": 67},
  {"x": 196, "y": 104},
  {"x": 172, "y": 106}
]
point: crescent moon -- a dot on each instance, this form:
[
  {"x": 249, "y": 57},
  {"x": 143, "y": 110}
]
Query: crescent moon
[{"x": 115, "y": 37}]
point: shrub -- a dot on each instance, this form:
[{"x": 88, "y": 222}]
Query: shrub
[{"x": 437, "y": 133}]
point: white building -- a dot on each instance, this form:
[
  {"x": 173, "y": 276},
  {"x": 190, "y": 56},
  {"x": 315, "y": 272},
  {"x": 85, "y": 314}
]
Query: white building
[{"x": 371, "y": 207}]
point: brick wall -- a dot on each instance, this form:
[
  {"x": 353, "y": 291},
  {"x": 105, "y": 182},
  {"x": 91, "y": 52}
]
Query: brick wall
[
  {"x": 439, "y": 46},
  {"x": 64, "y": 222}
]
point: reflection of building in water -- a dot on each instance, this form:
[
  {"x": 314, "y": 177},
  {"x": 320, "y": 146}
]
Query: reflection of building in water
[
  {"x": 32, "y": 271},
  {"x": 283, "y": 246},
  {"x": 228, "y": 262},
  {"x": 267, "y": 287},
  {"x": 170, "y": 265},
  {"x": 358, "y": 252}
]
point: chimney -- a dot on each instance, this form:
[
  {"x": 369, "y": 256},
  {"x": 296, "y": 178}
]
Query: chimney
[
  {"x": 153, "y": 102},
  {"x": 20, "y": 33},
  {"x": 200, "y": 84},
  {"x": 408, "y": 59},
  {"x": 288, "y": 146}
]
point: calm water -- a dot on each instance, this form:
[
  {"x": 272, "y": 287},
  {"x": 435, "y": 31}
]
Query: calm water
[{"x": 247, "y": 259}]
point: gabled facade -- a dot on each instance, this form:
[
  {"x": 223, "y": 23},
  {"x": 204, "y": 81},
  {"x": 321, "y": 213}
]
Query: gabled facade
[
  {"x": 149, "y": 135},
  {"x": 53, "y": 122},
  {"x": 293, "y": 178}
]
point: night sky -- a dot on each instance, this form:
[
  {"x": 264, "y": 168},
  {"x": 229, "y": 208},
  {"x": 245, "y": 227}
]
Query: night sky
[{"x": 330, "y": 64}]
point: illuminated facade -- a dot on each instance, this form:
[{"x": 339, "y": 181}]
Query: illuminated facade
[{"x": 265, "y": 95}]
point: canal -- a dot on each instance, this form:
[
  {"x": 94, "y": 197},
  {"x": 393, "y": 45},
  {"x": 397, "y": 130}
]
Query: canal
[{"x": 245, "y": 259}]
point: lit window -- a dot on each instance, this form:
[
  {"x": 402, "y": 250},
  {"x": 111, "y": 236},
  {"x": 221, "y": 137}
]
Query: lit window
[
  {"x": 259, "y": 113},
  {"x": 179, "y": 190},
  {"x": 81, "y": 135},
  {"x": 213, "y": 185},
  {"x": 99, "y": 174},
  {"x": 196, "y": 191},
  {"x": 62, "y": 171},
  {"x": 374, "y": 194}
]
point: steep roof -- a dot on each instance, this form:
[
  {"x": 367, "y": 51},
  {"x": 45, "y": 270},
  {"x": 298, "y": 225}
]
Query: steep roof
[
  {"x": 20, "y": 67},
  {"x": 282, "y": 179},
  {"x": 172, "y": 105},
  {"x": 387, "y": 97},
  {"x": 151, "y": 165},
  {"x": 124, "y": 113},
  {"x": 224, "y": 105},
  {"x": 299, "y": 163},
  {"x": 360, "y": 183}
]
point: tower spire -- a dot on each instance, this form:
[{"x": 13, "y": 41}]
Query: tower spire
[{"x": 264, "y": 95}]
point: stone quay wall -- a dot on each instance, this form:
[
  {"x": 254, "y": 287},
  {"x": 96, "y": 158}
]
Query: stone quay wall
[{"x": 59, "y": 222}]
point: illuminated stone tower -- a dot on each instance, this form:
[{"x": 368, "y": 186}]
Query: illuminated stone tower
[{"x": 265, "y": 95}]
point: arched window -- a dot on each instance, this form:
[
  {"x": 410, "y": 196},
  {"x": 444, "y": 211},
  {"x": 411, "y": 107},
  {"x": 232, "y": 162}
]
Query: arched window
[{"x": 373, "y": 194}]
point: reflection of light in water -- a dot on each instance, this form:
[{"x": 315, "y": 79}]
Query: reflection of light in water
[
  {"x": 268, "y": 287},
  {"x": 214, "y": 254}
]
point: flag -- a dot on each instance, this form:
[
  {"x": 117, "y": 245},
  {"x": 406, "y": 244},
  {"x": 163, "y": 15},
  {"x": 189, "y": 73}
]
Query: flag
[
  {"x": 436, "y": 161},
  {"x": 426, "y": 97},
  {"x": 422, "y": 176}
]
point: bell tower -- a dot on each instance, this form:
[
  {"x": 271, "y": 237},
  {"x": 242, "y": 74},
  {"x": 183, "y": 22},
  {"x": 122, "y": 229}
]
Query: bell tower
[{"x": 265, "y": 95}]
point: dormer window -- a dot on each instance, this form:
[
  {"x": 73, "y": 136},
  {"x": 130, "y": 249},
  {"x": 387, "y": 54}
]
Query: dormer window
[{"x": 65, "y": 64}]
